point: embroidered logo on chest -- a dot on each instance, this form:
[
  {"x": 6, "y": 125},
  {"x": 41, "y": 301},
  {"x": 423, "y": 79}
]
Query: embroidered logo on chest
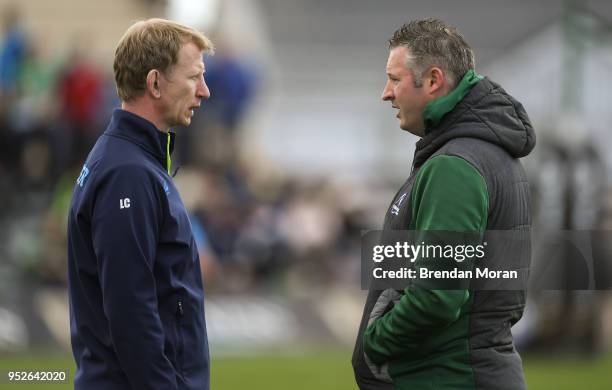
[
  {"x": 395, "y": 208},
  {"x": 81, "y": 179}
]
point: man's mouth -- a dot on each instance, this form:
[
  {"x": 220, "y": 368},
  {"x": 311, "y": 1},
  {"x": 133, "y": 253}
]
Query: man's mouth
[
  {"x": 398, "y": 111},
  {"x": 192, "y": 109}
]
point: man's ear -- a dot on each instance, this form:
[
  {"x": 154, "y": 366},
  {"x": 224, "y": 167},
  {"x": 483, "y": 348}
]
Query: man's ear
[
  {"x": 435, "y": 80},
  {"x": 153, "y": 83}
]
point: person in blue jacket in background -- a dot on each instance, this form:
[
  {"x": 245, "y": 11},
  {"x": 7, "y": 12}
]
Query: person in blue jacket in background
[{"x": 135, "y": 287}]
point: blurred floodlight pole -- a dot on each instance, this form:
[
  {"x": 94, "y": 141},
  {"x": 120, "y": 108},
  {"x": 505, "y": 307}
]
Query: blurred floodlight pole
[
  {"x": 578, "y": 35},
  {"x": 571, "y": 125}
]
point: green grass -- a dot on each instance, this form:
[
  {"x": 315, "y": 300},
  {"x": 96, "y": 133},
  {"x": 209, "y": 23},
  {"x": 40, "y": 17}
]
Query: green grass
[
  {"x": 328, "y": 370},
  {"x": 568, "y": 373},
  {"x": 321, "y": 370}
]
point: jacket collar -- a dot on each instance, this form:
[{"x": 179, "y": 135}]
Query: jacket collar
[
  {"x": 140, "y": 131},
  {"x": 435, "y": 110},
  {"x": 486, "y": 112}
]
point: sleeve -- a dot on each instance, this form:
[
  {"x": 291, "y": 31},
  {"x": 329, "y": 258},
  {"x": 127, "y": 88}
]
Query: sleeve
[
  {"x": 125, "y": 231},
  {"x": 449, "y": 194}
]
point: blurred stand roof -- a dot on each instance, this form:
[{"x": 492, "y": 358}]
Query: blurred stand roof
[{"x": 331, "y": 57}]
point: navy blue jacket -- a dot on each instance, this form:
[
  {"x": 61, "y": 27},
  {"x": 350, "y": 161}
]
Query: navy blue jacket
[{"x": 135, "y": 287}]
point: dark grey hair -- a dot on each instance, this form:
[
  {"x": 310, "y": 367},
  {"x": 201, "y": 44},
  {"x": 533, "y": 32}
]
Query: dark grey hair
[{"x": 432, "y": 42}]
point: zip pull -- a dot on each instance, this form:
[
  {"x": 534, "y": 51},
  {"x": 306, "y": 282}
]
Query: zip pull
[
  {"x": 168, "y": 160},
  {"x": 180, "y": 307}
]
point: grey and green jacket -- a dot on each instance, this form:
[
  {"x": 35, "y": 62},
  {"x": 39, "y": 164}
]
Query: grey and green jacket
[{"x": 466, "y": 176}]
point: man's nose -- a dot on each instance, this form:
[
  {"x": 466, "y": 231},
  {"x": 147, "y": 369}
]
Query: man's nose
[
  {"x": 387, "y": 93},
  {"x": 203, "y": 92}
]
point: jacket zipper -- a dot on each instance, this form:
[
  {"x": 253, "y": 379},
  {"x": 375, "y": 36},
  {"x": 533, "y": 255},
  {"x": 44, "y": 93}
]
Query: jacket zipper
[{"x": 180, "y": 307}]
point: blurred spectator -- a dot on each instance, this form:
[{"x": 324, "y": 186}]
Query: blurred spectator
[
  {"x": 37, "y": 104},
  {"x": 232, "y": 82},
  {"x": 81, "y": 96},
  {"x": 12, "y": 53}
]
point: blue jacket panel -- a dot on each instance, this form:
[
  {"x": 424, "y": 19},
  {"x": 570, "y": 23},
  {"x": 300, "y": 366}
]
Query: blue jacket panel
[{"x": 135, "y": 287}]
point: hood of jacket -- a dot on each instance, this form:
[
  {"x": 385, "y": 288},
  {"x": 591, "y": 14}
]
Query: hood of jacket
[{"x": 487, "y": 112}]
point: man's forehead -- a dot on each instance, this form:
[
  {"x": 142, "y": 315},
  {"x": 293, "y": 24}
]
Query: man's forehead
[
  {"x": 397, "y": 54},
  {"x": 191, "y": 55}
]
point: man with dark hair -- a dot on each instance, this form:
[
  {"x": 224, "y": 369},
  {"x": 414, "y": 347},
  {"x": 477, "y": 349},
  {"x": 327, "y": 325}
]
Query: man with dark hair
[
  {"x": 135, "y": 287},
  {"x": 466, "y": 177}
]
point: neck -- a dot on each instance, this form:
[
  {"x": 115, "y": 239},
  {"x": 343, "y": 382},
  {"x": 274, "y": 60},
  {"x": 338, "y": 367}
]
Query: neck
[{"x": 145, "y": 109}]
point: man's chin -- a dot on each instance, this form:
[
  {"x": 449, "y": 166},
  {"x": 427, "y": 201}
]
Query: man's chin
[
  {"x": 405, "y": 126},
  {"x": 184, "y": 122},
  {"x": 411, "y": 129}
]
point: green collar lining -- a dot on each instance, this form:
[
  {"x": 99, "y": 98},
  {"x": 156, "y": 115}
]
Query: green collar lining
[
  {"x": 169, "y": 149},
  {"x": 436, "y": 109},
  {"x": 168, "y": 160}
]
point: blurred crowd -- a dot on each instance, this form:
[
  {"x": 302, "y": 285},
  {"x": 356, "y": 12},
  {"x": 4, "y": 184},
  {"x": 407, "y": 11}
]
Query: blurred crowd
[
  {"x": 255, "y": 229},
  {"x": 51, "y": 110}
]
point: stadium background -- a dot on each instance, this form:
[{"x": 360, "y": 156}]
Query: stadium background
[{"x": 292, "y": 157}]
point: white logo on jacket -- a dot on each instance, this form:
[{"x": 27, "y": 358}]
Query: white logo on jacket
[
  {"x": 396, "y": 206},
  {"x": 124, "y": 203}
]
